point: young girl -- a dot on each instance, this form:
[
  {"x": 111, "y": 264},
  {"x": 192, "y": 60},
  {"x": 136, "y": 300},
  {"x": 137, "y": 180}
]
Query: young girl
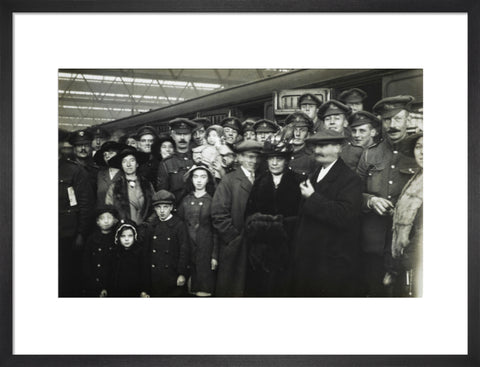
[
  {"x": 195, "y": 211},
  {"x": 211, "y": 155},
  {"x": 127, "y": 263}
]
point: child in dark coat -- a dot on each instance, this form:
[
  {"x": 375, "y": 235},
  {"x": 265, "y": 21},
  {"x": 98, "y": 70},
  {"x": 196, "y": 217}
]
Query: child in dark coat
[
  {"x": 97, "y": 251},
  {"x": 166, "y": 249},
  {"x": 195, "y": 210},
  {"x": 127, "y": 263}
]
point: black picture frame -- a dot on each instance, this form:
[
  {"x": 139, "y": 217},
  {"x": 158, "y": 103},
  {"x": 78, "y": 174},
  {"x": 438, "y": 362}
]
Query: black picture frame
[{"x": 7, "y": 8}]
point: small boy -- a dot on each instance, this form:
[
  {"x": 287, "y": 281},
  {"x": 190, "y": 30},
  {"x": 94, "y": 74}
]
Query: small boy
[
  {"x": 97, "y": 251},
  {"x": 166, "y": 248}
]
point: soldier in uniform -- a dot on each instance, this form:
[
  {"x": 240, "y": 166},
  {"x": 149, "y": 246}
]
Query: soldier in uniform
[
  {"x": 232, "y": 129},
  {"x": 264, "y": 129},
  {"x": 198, "y": 132},
  {"x": 146, "y": 137},
  {"x": 353, "y": 98},
  {"x": 365, "y": 129},
  {"x": 300, "y": 126},
  {"x": 385, "y": 170},
  {"x": 100, "y": 136},
  {"x": 82, "y": 154},
  {"x": 309, "y": 104},
  {"x": 248, "y": 131},
  {"x": 75, "y": 203},
  {"x": 171, "y": 170}
]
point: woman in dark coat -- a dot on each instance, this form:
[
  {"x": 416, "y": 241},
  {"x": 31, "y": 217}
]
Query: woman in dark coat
[
  {"x": 106, "y": 175},
  {"x": 195, "y": 211},
  {"x": 271, "y": 215},
  {"x": 130, "y": 194}
]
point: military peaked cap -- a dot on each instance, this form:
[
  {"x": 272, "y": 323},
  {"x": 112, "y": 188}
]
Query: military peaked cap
[
  {"x": 333, "y": 107},
  {"x": 309, "y": 98},
  {"x": 299, "y": 119},
  {"x": 232, "y": 122},
  {"x": 182, "y": 125},
  {"x": 353, "y": 95},
  {"x": 390, "y": 106},
  {"x": 364, "y": 117},
  {"x": 266, "y": 126},
  {"x": 80, "y": 137}
]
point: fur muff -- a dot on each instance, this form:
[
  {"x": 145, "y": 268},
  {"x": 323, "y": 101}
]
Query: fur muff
[{"x": 268, "y": 248}]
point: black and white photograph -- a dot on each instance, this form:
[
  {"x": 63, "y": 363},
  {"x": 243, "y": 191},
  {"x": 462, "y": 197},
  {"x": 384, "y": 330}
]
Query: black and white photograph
[
  {"x": 242, "y": 187},
  {"x": 240, "y": 182}
]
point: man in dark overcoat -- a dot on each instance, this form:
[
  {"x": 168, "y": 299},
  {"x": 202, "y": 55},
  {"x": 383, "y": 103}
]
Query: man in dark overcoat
[
  {"x": 326, "y": 244},
  {"x": 228, "y": 210},
  {"x": 75, "y": 203}
]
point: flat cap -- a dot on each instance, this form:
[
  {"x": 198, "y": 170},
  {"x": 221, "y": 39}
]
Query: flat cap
[
  {"x": 364, "y": 117},
  {"x": 354, "y": 95},
  {"x": 248, "y": 146},
  {"x": 144, "y": 130},
  {"x": 232, "y": 122},
  {"x": 390, "y": 106},
  {"x": 324, "y": 137},
  {"x": 299, "y": 119},
  {"x": 163, "y": 197},
  {"x": 333, "y": 107},
  {"x": 266, "y": 126},
  {"x": 309, "y": 98},
  {"x": 80, "y": 137},
  {"x": 182, "y": 125}
]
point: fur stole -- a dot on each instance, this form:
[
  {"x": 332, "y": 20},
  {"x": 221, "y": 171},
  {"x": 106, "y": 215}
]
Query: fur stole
[{"x": 120, "y": 196}]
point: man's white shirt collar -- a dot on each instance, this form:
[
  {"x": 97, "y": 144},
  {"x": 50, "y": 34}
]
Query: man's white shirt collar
[{"x": 325, "y": 170}]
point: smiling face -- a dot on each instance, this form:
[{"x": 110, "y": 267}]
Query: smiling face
[
  {"x": 199, "y": 136},
  {"x": 145, "y": 143},
  {"x": 363, "y": 135},
  {"x": 336, "y": 123},
  {"x": 129, "y": 165},
  {"x": 396, "y": 127},
  {"x": 166, "y": 149},
  {"x": 230, "y": 135}
]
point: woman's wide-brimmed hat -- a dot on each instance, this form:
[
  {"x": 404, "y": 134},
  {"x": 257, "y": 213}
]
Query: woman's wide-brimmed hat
[
  {"x": 109, "y": 145},
  {"x": 139, "y": 156}
]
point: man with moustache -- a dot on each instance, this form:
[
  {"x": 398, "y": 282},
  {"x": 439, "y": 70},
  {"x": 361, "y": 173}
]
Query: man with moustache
[
  {"x": 228, "y": 216},
  {"x": 326, "y": 246},
  {"x": 82, "y": 154},
  {"x": 309, "y": 105},
  {"x": 353, "y": 98},
  {"x": 385, "y": 170},
  {"x": 171, "y": 170}
]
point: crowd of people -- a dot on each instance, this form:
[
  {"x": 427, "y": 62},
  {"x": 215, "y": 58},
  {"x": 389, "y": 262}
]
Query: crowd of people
[{"x": 326, "y": 204}]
